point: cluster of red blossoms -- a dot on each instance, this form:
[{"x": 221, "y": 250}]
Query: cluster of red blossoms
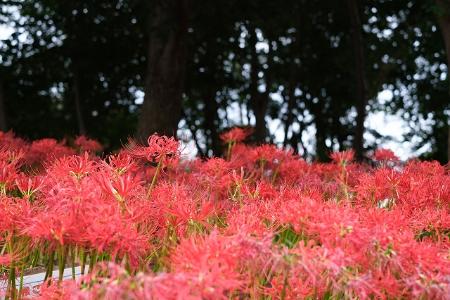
[{"x": 262, "y": 223}]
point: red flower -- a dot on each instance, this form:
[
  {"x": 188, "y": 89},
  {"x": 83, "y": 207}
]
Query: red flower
[
  {"x": 86, "y": 144},
  {"x": 385, "y": 155},
  {"x": 235, "y": 135},
  {"x": 6, "y": 259},
  {"x": 343, "y": 157},
  {"x": 160, "y": 148}
]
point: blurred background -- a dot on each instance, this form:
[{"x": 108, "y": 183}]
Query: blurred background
[{"x": 313, "y": 76}]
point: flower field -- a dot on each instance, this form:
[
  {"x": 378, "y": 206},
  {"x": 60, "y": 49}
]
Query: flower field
[{"x": 259, "y": 223}]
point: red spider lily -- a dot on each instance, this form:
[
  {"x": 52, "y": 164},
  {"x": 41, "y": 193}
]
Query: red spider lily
[
  {"x": 218, "y": 260},
  {"x": 61, "y": 291},
  {"x": 235, "y": 135},
  {"x": 262, "y": 223},
  {"x": 8, "y": 175},
  {"x": 110, "y": 232},
  {"x": 6, "y": 259},
  {"x": 248, "y": 220},
  {"x": 29, "y": 186},
  {"x": 72, "y": 168},
  {"x": 119, "y": 186},
  {"x": 385, "y": 155},
  {"x": 88, "y": 145},
  {"x": 121, "y": 163},
  {"x": 343, "y": 157},
  {"x": 160, "y": 148},
  {"x": 47, "y": 149},
  {"x": 14, "y": 213}
]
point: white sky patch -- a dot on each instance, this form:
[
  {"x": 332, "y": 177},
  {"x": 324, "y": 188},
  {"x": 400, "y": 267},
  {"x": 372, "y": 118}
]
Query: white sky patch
[
  {"x": 385, "y": 96},
  {"x": 394, "y": 127},
  {"x": 276, "y": 128},
  {"x": 391, "y": 126},
  {"x": 234, "y": 113},
  {"x": 139, "y": 94},
  {"x": 5, "y": 32}
]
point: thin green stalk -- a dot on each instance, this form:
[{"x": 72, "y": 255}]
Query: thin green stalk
[
  {"x": 12, "y": 272},
  {"x": 61, "y": 262},
  {"x": 262, "y": 166},
  {"x": 116, "y": 259},
  {"x": 229, "y": 148},
  {"x": 3, "y": 248},
  {"x": 158, "y": 167},
  {"x": 344, "y": 181},
  {"x": 21, "y": 282},
  {"x": 285, "y": 285},
  {"x": 83, "y": 261},
  {"x": 127, "y": 263},
  {"x": 72, "y": 256},
  {"x": 50, "y": 263},
  {"x": 12, "y": 281},
  {"x": 92, "y": 261},
  {"x": 35, "y": 259}
]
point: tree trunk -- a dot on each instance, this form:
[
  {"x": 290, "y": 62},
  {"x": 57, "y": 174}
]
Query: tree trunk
[
  {"x": 78, "y": 107},
  {"x": 359, "y": 69},
  {"x": 444, "y": 23},
  {"x": 166, "y": 57},
  {"x": 211, "y": 120},
  {"x": 322, "y": 154},
  {"x": 289, "y": 115},
  {"x": 258, "y": 101},
  {"x": 321, "y": 146},
  {"x": 3, "y": 124}
]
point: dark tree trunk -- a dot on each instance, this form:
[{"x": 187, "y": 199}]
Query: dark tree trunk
[
  {"x": 321, "y": 147},
  {"x": 289, "y": 115},
  {"x": 78, "y": 107},
  {"x": 359, "y": 70},
  {"x": 321, "y": 133},
  {"x": 259, "y": 102},
  {"x": 444, "y": 23},
  {"x": 211, "y": 120},
  {"x": 3, "y": 124},
  {"x": 166, "y": 58}
]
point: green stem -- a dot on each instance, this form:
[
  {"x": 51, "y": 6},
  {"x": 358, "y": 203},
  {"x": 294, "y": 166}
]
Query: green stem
[
  {"x": 230, "y": 146},
  {"x": 21, "y": 282},
  {"x": 285, "y": 285},
  {"x": 72, "y": 256},
  {"x": 3, "y": 248},
  {"x": 61, "y": 262},
  {"x": 92, "y": 261},
  {"x": 35, "y": 259},
  {"x": 83, "y": 261},
  {"x": 12, "y": 271},
  {"x": 158, "y": 167},
  {"x": 50, "y": 264},
  {"x": 262, "y": 166},
  {"x": 12, "y": 280}
]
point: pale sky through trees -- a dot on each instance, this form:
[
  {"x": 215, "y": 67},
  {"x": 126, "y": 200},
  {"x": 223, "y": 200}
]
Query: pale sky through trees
[{"x": 390, "y": 126}]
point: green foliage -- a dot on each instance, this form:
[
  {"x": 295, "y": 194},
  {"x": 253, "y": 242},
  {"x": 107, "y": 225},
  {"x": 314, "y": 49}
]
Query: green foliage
[{"x": 288, "y": 237}]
